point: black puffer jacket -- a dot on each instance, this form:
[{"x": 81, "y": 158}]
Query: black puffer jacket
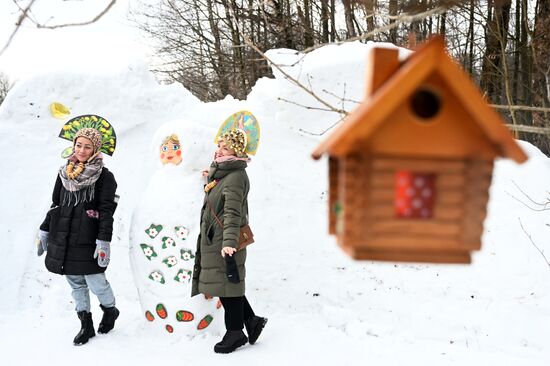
[{"x": 73, "y": 233}]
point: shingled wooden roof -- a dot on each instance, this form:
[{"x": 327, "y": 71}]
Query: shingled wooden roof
[{"x": 362, "y": 122}]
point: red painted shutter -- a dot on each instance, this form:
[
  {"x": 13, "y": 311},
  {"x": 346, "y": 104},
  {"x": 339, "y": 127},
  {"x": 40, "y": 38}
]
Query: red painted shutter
[{"x": 414, "y": 194}]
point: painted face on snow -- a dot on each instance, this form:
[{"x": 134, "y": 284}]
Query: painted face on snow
[{"x": 170, "y": 152}]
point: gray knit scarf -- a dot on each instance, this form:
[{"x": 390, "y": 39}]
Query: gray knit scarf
[{"x": 82, "y": 188}]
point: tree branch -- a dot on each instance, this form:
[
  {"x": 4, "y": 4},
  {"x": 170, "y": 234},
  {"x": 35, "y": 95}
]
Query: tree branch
[
  {"x": 304, "y": 106},
  {"x": 20, "y": 21},
  {"x": 324, "y": 131},
  {"x": 533, "y": 243},
  {"x": 290, "y": 78},
  {"x": 95, "y": 19}
]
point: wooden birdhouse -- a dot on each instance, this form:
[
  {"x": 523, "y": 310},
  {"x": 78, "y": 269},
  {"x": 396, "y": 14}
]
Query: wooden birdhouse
[{"x": 410, "y": 167}]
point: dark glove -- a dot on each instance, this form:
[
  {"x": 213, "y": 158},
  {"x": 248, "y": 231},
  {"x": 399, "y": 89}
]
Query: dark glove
[
  {"x": 102, "y": 252},
  {"x": 231, "y": 270},
  {"x": 42, "y": 242}
]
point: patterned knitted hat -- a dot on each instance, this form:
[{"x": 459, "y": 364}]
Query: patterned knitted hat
[
  {"x": 236, "y": 140},
  {"x": 91, "y": 134}
]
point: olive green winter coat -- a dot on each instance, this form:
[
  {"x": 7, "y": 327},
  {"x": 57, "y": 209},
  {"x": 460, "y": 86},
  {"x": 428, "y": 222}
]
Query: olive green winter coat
[{"x": 229, "y": 200}]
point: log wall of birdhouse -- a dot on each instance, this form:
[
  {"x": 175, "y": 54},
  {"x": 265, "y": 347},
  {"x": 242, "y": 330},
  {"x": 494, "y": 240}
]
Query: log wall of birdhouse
[
  {"x": 333, "y": 202},
  {"x": 351, "y": 189},
  {"x": 450, "y": 133},
  {"x": 478, "y": 178},
  {"x": 461, "y": 189},
  {"x": 402, "y": 255}
]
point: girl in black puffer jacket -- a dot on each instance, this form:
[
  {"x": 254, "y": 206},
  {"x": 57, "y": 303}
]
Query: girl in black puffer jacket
[{"x": 77, "y": 230}]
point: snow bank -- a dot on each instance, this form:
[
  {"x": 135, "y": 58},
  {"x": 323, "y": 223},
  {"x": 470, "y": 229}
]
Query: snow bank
[{"x": 323, "y": 307}]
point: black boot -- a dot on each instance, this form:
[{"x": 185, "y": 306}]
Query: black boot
[
  {"x": 87, "y": 328},
  {"x": 108, "y": 320},
  {"x": 232, "y": 340},
  {"x": 254, "y": 327}
]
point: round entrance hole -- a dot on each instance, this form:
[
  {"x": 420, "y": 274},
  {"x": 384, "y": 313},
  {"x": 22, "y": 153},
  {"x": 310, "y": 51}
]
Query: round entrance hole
[{"x": 425, "y": 103}]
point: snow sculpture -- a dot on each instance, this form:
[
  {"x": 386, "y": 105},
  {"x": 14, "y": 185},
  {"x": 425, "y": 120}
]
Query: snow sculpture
[{"x": 164, "y": 232}]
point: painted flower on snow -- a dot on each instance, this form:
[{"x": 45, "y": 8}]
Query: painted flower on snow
[
  {"x": 168, "y": 242},
  {"x": 186, "y": 254},
  {"x": 183, "y": 276},
  {"x": 170, "y": 261},
  {"x": 182, "y": 232},
  {"x": 157, "y": 277},
  {"x": 153, "y": 230},
  {"x": 148, "y": 251}
]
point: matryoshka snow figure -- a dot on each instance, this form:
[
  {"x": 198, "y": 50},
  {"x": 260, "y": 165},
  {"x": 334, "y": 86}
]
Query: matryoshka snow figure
[{"x": 164, "y": 231}]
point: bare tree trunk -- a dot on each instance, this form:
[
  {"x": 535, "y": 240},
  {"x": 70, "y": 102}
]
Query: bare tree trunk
[
  {"x": 425, "y": 4},
  {"x": 332, "y": 21},
  {"x": 496, "y": 41},
  {"x": 369, "y": 12},
  {"x": 526, "y": 65},
  {"x": 220, "y": 69},
  {"x": 471, "y": 38},
  {"x": 308, "y": 28},
  {"x": 324, "y": 21},
  {"x": 348, "y": 13},
  {"x": 414, "y": 26},
  {"x": 541, "y": 61},
  {"x": 393, "y": 12},
  {"x": 503, "y": 24},
  {"x": 517, "y": 46},
  {"x": 306, "y": 23},
  {"x": 430, "y": 20},
  {"x": 255, "y": 37}
]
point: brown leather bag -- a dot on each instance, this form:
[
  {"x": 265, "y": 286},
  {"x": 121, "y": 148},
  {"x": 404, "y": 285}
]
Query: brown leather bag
[{"x": 246, "y": 237}]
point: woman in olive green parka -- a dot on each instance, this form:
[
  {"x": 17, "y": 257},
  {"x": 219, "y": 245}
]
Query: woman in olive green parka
[
  {"x": 228, "y": 199},
  {"x": 219, "y": 268}
]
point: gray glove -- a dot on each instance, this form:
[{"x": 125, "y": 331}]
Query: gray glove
[
  {"x": 102, "y": 252},
  {"x": 41, "y": 242}
]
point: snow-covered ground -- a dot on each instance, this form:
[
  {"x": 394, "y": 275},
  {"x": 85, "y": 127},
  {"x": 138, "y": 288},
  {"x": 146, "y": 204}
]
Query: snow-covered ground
[{"x": 323, "y": 308}]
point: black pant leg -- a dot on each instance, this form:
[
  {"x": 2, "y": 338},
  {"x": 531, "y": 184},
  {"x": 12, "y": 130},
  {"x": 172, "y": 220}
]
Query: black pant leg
[
  {"x": 233, "y": 307},
  {"x": 247, "y": 310}
]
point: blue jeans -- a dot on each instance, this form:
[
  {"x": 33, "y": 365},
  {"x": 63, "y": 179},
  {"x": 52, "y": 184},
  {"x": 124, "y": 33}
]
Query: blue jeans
[{"x": 97, "y": 283}]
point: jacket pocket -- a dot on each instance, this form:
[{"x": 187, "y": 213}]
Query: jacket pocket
[
  {"x": 53, "y": 219},
  {"x": 88, "y": 231},
  {"x": 210, "y": 244}
]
